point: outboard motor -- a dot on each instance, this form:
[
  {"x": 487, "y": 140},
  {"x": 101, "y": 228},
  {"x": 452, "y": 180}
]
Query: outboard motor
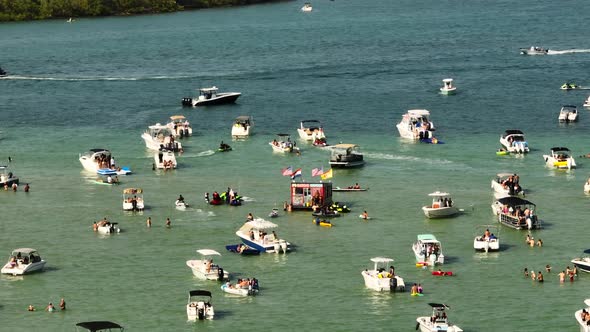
[
  {"x": 201, "y": 313},
  {"x": 392, "y": 284},
  {"x": 220, "y": 274}
]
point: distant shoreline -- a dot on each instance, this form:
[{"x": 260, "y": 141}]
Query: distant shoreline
[{"x": 62, "y": 9}]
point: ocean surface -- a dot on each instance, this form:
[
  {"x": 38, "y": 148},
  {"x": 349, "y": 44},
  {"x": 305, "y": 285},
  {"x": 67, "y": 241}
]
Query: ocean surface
[{"x": 355, "y": 65}]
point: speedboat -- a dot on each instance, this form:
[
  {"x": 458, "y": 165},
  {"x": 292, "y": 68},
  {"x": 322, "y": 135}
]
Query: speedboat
[
  {"x": 583, "y": 262},
  {"x": 283, "y": 144},
  {"x": 346, "y": 156},
  {"x": 448, "y": 88},
  {"x": 133, "y": 199},
  {"x": 199, "y": 305},
  {"x": 251, "y": 289},
  {"x": 205, "y": 269},
  {"x": 486, "y": 240},
  {"x": 99, "y": 161},
  {"x": 587, "y": 186},
  {"x": 307, "y": 7},
  {"x": 568, "y": 113},
  {"x": 442, "y": 206},
  {"x": 158, "y": 137},
  {"x": 6, "y": 177},
  {"x": 428, "y": 250},
  {"x": 513, "y": 141},
  {"x": 180, "y": 126},
  {"x": 311, "y": 130},
  {"x": 242, "y": 126},
  {"x": 416, "y": 125},
  {"x": 23, "y": 261},
  {"x": 533, "y": 50},
  {"x": 560, "y": 158},
  {"x": 3, "y": 73},
  {"x": 438, "y": 321},
  {"x": 380, "y": 279},
  {"x": 569, "y": 86},
  {"x": 507, "y": 184},
  {"x": 582, "y": 317},
  {"x": 165, "y": 159},
  {"x": 108, "y": 227},
  {"x": 587, "y": 102},
  {"x": 96, "y": 326},
  {"x": 253, "y": 234},
  {"x": 516, "y": 213},
  {"x": 211, "y": 96}
]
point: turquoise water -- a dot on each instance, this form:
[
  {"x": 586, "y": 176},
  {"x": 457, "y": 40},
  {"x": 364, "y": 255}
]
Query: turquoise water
[{"x": 355, "y": 65}]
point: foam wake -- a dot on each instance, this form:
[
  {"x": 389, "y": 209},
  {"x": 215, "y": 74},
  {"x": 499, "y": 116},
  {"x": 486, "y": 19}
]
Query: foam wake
[{"x": 556, "y": 52}]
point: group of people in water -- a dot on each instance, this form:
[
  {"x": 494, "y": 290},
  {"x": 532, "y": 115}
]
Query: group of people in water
[
  {"x": 571, "y": 273},
  {"x": 50, "y": 307}
]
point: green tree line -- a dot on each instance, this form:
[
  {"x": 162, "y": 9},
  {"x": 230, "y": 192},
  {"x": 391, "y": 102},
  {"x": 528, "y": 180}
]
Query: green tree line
[{"x": 19, "y": 10}]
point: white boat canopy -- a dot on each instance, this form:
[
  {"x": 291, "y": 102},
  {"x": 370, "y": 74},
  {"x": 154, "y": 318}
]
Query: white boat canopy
[
  {"x": 24, "y": 251},
  {"x": 381, "y": 259},
  {"x": 505, "y": 175},
  {"x": 211, "y": 89},
  {"x": 447, "y": 80},
  {"x": 177, "y": 117},
  {"x": 418, "y": 113},
  {"x": 439, "y": 194},
  {"x": 208, "y": 252},
  {"x": 587, "y": 301}
]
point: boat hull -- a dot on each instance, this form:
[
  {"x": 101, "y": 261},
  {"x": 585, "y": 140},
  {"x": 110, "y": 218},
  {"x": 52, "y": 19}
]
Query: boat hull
[
  {"x": 442, "y": 212},
  {"x": 451, "y": 91},
  {"x": 239, "y": 291},
  {"x": 219, "y": 99},
  {"x": 200, "y": 271},
  {"x": 480, "y": 244},
  {"x": 372, "y": 281},
  {"x": 426, "y": 326},
  {"x": 270, "y": 247},
  {"x": 199, "y": 311},
  {"x": 21, "y": 269},
  {"x": 582, "y": 263},
  {"x": 569, "y": 163},
  {"x": 346, "y": 164}
]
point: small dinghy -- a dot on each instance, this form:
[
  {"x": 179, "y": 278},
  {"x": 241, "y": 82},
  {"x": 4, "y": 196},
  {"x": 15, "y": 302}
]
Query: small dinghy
[
  {"x": 323, "y": 223},
  {"x": 241, "y": 288},
  {"x": 274, "y": 213},
  {"x": 242, "y": 249}
]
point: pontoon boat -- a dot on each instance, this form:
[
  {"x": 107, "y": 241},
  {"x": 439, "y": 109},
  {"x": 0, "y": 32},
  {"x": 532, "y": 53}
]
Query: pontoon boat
[
  {"x": 487, "y": 238},
  {"x": 516, "y": 213},
  {"x": 380, "y": 279},
  {"x": 158, "y": 137},
  {"x": 96, "y": 326},
  {"x": 568, "y": 113},
  {"x": 428, "y": 250},
  {"x": 254, "y": 234},
  {"x": 438, "y": 321},
  {"x": 242, "y": 126},
  {"x": 448, "y": 88},
  {"x": 442, "y": 206},
  {"x": 533, "y": 50},
  {"x": 180, "y": 126},
  {"x": 416, "y": 125},
  {"x": 283, "y": 144},
  {"x": 211, "y": 96},
  {"x": 205, "y": 269},
  {"x": 133, "y": 199},
  {"x": 23, "y": 261},
  {"x": 507, "y": 184},
  {"x": 199, "y": 305},
  {"x": 346, "y": 156},
  {"x": 513, "y": 141},
  {"x": 560, "y": 158}
]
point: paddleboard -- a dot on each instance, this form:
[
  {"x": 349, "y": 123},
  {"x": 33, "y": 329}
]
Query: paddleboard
[
  {"x": 417, "y": 294},
  {"x": 367, "y": 218}
]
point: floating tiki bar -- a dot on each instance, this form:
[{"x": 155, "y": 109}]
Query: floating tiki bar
[{"x": 305, "y": 195}]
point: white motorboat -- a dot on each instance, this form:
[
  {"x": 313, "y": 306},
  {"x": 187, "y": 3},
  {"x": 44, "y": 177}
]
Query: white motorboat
[
  {"x": 568, "y": 113},
  {"x": 587, "y": 102},
  {"x": 108, "y": 227},
  {"x": 242, "y": 126},
  {"x": 96, "y": 159},
  {"x": 211, "y": 96},
  {"x": 560, "y": 158},
  {"x": 438, "y": 321},
  {"x": 533, "y": 50},
  {"x": 507, "y": 184},
  {"x": 254, "y": 234},
  {"x": 205, "y": 269},
  {"x": 310, "y": 130},
  {"x": 441, "y": 207},
  {"x": 513, "y": 141},
  {"x": 587, "y": 186},
  {"x": 448, "y": 88},
  {"x": 165, "y": 159},
  {"x": 583, "y": 262},
  {"x": 416, "y": 125},
  {"x": 307, "y": 7},
  {"x": 199, "y": 305},
  {"x": 283, "y": 144},
  {"x": 428, "y": 250},
  {"x": 346, "y": 156},
  {"x": 6, "y": 177},
  {"x": 274, "y": 213},
  {"x": 487, "y": 238},
  {"x": 159, "y": 136},
  {"x": 582, "y": 317},
  {"x": 380, "y": 279},
  {"x": 3, "y": 73},
  {"x": 516, "y": 213},
  {"x": 133, "y": 199},
  {"x": 102, "y": 325},
  {"x": 180, "y": 126},
  {"x": 23, "y": 261},
  {"x": 252, "y": 288}
]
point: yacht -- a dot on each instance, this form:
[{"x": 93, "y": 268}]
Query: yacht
[
  {"x": 311, "y": 130},
  {"x": 516, "y": 213},
  {"x": 560, "y": 158},
  {"x": 6, "y": 177},
  {"x": 254, "y": 234},
  {"x": 307, "y": 7},
  {"x": 180, "y": 126},
  {"x": 441, "y": 207},
  {"x": 416, "y": 125},
  {"x": 199, "y": 305},
  {"x": 346, "y": 156},
  {"x": 568, "y": 113},
  {"x": 583, "y": 262},
  {"x": 448, "y": 88},
  {"x": 533, "y": 50},
  {"x": 96, "y": 159},
  {"x": 428, "y": 250},
  {"x": 211, "y": 96},
  {"x": 23, "y": 261},
  {"x": 205, "y": 269},
  {"x": 583, "y": 323},
  {"x": 133, "y": 199},
  {"x": 512, "y": 140},
  {"x": 487, "y": 238},
  {"x": 379, "y": 279},
  {"x": 283, "y": 144},
  {"x": 242, "y": 126},
  {"x": 159, "y": 136},
  {"x": 165, "y": 159},
  {"x": 102, "y": 325},
  {"x": 507, "y": 184},
  {"x": 438, "y": 321}
]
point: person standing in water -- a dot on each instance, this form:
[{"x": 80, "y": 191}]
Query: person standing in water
[
  {"x": 148, "y": 222},
  {"x": 365, "y": 215},
  {"x": 168, "y": 223},
  {"x": 62, "y": 304}
]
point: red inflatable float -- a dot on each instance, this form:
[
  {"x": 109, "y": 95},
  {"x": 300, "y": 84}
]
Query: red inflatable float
[{"x": 442, "y": 273}]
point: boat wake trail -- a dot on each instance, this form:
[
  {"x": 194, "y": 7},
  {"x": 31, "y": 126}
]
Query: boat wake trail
[
  {"x": 79, "y": 79},
  {"x": 409, "y": 160},
  {"x": 556, "y": 52},
  {"x": 248, "y": 199},
  {"x": 200, "y": 154},
  {"x": 206, "y": 213}
]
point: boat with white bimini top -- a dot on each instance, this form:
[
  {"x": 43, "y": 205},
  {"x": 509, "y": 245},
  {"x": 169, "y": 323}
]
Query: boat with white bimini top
[
  {"x": 165, "y": 159},
  {"x": 242, "y": 126},
  {"x": 199, "y": 305},
  {"x": 379, "y": 279},
  {"x": 159, "y": 136},
  {"x": 96, "y": 326},
  {"x": 587, "y": 102},
  {"x": 448, "y": 88},
  {"x": 428, "y": 250},
  {"x": 205, "y": 269},
  {"x": 310, "y": 130},
  {"x": 180, "y": 126},
  {"x": 583, "y": 262},
  {"x": 211, "y": 96},
  {"x": 516, "y": 213},
  {"x": 23, "y": 261},
  {"x": 568, "y": 113},
  {"x": 133, "y": 199},
  {"x": 307, "y": 7},
  {"x": 507, "y": 184},
  {"x": 512, "y": 140},
  {"x": 283, "y": 144},
  {"x": 560, "y": 158},
  {"x": 533, "y": 50},
  {"x": 7, "y": 178},
  {"x": 438, "y": 321},
  {"x": 441, "y": 207},
  {"x": 487, "y": 238},
  {"x": 583, "y": 317},
  {"x": 346, "y": 156},
  {"x": 416, "y": 125},
  {"x": 253, "y": 234}
]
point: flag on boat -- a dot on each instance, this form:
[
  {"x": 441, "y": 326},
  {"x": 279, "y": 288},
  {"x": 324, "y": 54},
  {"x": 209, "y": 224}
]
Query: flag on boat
[
  {"x": 326, "y": 175},
  {"x": 287, "y": 171},
  {"x": 296, "y": 174},
  {"x": 317, "y": 171}
]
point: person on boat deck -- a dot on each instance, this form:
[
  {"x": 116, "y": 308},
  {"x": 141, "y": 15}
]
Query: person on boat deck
[
  {"x": 493, "y": 237},
  {"x": 251, "y": 235},
  {"x": 208, "y": 264},
  {"x": 180, "y": 199},
  {"x": 391, "y": 271},
  {"x": 356, "y": 186},
  {"x": 486, "y": 234}
]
